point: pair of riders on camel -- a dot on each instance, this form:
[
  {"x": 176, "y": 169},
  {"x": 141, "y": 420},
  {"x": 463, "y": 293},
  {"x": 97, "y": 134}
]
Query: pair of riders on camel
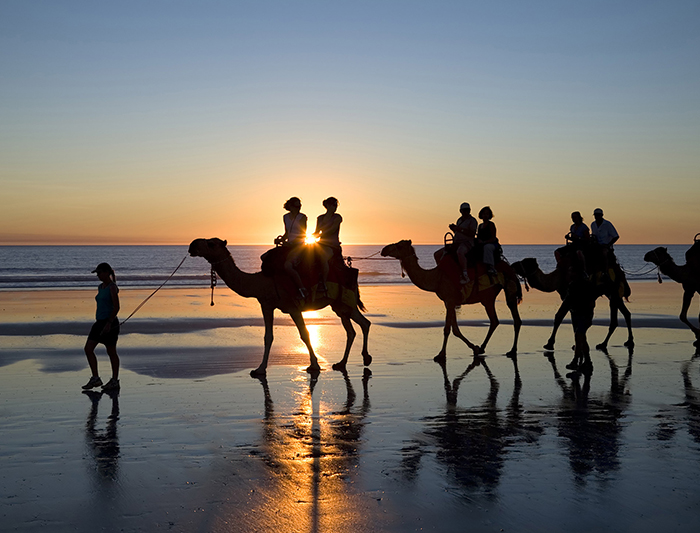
[
  {"x": 470, "y": 238},
  {"x": 327, "y": 232}
]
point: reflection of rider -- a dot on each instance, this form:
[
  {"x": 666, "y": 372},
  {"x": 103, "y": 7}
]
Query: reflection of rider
[
  {"x": 328, "y": 231},
  {"x": 294, "y": 236},
  {"x": 464, "y": 233},
  {"x": 486, "y": 235}
]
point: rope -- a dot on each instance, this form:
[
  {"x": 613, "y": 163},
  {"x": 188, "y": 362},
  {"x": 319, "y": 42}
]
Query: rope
[{"x": 155, "y": 291}]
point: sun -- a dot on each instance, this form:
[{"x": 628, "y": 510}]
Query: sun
[{"x": 310, "y": 239}]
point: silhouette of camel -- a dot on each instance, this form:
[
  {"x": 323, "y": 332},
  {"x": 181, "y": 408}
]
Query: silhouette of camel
[
  {"x": 687, "y": 275},
  {"x": 269, "y": 291},
  {"x": 449, "y": 291},
  {"x": 557, "y": 281}
]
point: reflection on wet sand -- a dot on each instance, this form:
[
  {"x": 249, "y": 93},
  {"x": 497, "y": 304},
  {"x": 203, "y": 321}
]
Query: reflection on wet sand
[
  {"x": 311, "y": 457},
  {"x": 591, "y": 428},
  {"x": 687, "y": 413},
  {"x": 472, "y": 443}
]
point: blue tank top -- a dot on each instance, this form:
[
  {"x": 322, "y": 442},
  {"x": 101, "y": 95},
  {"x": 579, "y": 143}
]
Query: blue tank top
[{"x": 104, "y": 302}]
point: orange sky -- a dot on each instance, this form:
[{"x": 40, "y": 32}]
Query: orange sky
[{"x": 160, "y": 126}]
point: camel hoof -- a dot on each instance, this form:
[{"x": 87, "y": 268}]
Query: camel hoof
[
  {"x": 314, "y": 370},
  {"x": 339, "y": 366},
  {"x": 440, "y": 358},
  {"x": 602, "y": 347},
  {"x": 629, "y": 344},
  {"x": 549, "y": 346},
  {"x": 257, "y": 373},
  {"x": 512, "y": 353},
  {"x": 478, "y": 350},
  {"x": 366, "y": 359},
  {"x": 697, "y": 343}
]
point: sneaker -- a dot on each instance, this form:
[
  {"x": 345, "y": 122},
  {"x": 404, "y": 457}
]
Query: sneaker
[
  {"x": 112, "y": 384},
  {"x": 95, "y": 381}
]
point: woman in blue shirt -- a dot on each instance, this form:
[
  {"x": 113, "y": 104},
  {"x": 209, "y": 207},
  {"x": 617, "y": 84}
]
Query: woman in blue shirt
[{"x": 105, "y": 330}]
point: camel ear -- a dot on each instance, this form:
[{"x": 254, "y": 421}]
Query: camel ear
[
  {"x": 225, "y": 242},
  {"x": 410, "y": 242}
]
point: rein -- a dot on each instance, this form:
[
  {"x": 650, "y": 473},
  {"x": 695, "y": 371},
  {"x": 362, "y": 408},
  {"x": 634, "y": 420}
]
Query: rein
[{"x": 155, "y": 291}]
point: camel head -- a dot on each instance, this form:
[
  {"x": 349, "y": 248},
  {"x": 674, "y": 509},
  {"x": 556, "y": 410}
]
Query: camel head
[
  {"x": 399, "y": 250},
  {"x": 526, "y": 267},
  {"x": 210, "y": 249},
  {"x": 658, "y": 256}
]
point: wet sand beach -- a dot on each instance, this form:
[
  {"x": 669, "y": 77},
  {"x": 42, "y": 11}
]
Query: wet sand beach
[{"x": 193, "y": 443}]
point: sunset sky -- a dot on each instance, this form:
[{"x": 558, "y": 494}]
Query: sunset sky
[{"x": 163, "y": 121}]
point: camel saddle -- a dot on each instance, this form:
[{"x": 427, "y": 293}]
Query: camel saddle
[
  {"x": 479, "y": 278},
  {"x": 310, "y": 270}
]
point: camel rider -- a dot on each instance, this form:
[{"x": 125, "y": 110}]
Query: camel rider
[
  {"x": 328, "y": 233},
  {"x": 577, "y": 238},
  {"x": 486, "y": 236},
  {"x": 605, "y": 235},
  {"x": 294, "y": 237},
  {"x": 464, "y": 233}
]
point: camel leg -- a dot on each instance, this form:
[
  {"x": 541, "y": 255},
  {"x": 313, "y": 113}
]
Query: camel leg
[
  {"x": 268, "y": 317},
  {"x": 611, "y": 328},
  {"x": 364, "y": 323},
  {"x": 304, "y": 334},
  {"x": 451, "y": 325},
  {"x": 687, "y": 299},
  {"x": 350, "y": 337},
  {"x": 490, "y": 306},
  {"x": 512, "y": 303},
  {"x": 558, "y": 318}
]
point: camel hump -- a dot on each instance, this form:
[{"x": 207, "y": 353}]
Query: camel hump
[{"x": 692, "y": 256}]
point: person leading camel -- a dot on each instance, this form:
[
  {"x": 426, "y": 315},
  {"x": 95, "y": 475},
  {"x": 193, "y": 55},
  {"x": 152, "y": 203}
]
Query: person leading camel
[
  {"x": 105, "y": 330},
  {"x": 294, "y": 237},
  {"x": 580, "y": 299},
  {"x": 328, "y": 233},
  {"x": 486, "y": 236},
  {"x": 464, "y": 233}
]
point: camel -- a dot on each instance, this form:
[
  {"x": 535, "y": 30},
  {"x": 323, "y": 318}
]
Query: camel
[
  {"x": 556, "y": 281},
  {"x": 271, "y": 293},
  {"x": 448, "y": 290},
  {"x": 687, "y": 275}
]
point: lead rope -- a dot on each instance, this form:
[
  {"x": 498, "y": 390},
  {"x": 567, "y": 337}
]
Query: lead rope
[{"x": 155, "y": 291}]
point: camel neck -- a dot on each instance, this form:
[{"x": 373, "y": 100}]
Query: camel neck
[
  {"x": 545, "y": 282},
  {"x": 238, "y": 281},
  {"x": 427, "y": 280}
]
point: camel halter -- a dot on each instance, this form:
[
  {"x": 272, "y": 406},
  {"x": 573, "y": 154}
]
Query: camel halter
[{"x": 213, "y": 275}]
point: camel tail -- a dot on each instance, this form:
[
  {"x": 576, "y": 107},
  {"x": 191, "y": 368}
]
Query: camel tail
[{"x": 360, "y": 305}]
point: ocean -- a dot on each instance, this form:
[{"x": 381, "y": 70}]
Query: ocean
[{"x": 69, "y": 267}]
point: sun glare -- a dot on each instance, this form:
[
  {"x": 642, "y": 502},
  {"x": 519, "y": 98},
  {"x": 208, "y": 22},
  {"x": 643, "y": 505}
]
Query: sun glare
[{"x": 310, "y": 238}]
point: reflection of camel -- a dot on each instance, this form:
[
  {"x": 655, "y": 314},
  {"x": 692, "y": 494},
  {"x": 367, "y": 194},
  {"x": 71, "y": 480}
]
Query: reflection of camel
[
  {"x": 556, "y": 281},
  {"x": 668, "y": 418},
  {"x": 103, "y": 445},
  {"x": 591, "y": 427},
  {"x": 471, "y": 443},
  {"x": 448, "y": 290},
  {"x": 687, "y": 275},
  {"x": 270, "y": 294}
]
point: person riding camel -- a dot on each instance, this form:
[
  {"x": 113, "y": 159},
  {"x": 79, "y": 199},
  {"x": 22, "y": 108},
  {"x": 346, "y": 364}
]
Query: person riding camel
[
  {"x": 577, "y": 238},
  {"x": 606, "y": 236},
  {"x": 294, "y": 237},
  {"x": 464, "y": 233},
  {"x": 328, "y": 234},
  {"x": 486, "y": 236}
]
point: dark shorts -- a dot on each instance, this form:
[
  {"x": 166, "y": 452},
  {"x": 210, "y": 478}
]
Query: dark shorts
[
  {"x": 109, "y": 339},
  {"x": 581, "y": 320}
]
